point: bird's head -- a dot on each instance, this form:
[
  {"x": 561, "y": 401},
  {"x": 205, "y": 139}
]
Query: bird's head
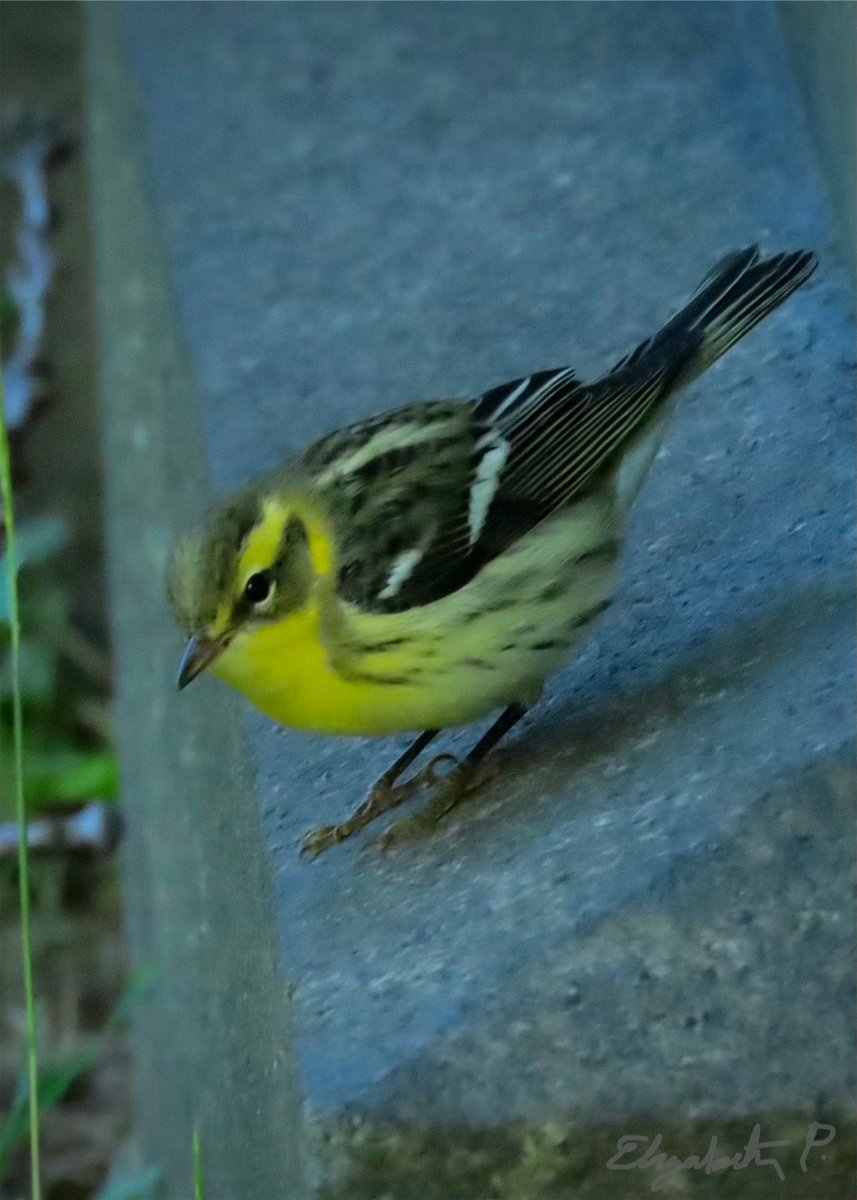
[{"x": 251, "y": 564}]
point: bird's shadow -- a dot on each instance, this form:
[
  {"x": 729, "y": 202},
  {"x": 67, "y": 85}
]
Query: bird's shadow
[{"x": 597, "y": 725}]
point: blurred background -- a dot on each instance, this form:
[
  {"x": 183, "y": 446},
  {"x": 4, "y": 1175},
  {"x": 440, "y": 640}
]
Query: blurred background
[{"x": 48, "y": 347}]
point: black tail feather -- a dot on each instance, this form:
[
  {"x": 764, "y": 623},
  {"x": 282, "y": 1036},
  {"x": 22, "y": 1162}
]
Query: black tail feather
[{"x": 736, "y": 294}]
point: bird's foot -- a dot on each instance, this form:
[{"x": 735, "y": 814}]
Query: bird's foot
[
  {"x": 323, "y": 837},
  {"x": 381, "y": 799},
  {"x": 451, "y": 788}
]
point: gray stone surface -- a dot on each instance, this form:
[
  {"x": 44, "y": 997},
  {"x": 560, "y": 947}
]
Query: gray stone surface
[
  {"x": 822, "y": 39},
  {"x": 212, "y": 1037},
  {"x": 651, "y": 913}
]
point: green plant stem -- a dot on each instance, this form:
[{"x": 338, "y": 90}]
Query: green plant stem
[
  {"x": 20, "y": 803},
  {"x": 198, "y": 1176}
]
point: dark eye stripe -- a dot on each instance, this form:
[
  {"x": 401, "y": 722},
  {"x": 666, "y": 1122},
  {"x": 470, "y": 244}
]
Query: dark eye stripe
[{"x": 293, "y": 533}]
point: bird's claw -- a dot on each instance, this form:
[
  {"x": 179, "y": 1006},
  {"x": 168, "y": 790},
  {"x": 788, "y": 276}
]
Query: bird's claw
[
  {"x": 382, "y": 797},
  {"x": 322, "y": 838},
  {"x": 429, "y": 773},
  {"x": 452, "y": 789}
]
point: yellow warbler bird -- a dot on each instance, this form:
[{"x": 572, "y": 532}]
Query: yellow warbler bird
[{"x": 424, "y": 567}]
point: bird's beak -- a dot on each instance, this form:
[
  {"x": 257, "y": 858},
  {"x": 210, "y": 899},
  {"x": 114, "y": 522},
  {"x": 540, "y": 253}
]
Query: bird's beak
[{"x": 199, "y": 653}]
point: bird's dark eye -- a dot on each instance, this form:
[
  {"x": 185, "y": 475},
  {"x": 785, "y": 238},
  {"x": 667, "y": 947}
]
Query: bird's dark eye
[{"x": 258, "y": 587}]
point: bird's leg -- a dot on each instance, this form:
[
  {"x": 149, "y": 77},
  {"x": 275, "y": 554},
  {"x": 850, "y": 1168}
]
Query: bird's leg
[
  {"x": 386, "y": 794},
  {"x": 466, "y": 778}
]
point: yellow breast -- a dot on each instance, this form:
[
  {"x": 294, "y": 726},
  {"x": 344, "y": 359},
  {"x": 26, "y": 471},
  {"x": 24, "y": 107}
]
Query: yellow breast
[{"x": 285, "y": 671}]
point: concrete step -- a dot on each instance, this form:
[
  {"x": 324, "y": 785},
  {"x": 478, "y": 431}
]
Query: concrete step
[{"x": 307, "y": 213}]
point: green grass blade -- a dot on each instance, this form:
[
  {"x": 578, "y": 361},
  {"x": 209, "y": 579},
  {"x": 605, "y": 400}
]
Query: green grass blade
[
  {"x": 198, "y": 1176},
  {"x": 56, "y": 1080},
  {"x": 20, "y": 804},
  {"x": 54, "y": 1083}
]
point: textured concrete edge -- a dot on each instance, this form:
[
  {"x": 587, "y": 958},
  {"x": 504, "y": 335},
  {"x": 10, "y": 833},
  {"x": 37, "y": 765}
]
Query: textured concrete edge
[
  {"x": 213, "y": 1038},
  {"x": 559, "y": 1160}
]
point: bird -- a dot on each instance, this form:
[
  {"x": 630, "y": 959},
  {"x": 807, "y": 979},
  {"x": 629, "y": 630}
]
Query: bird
[{"x": 434, "y": 564}]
